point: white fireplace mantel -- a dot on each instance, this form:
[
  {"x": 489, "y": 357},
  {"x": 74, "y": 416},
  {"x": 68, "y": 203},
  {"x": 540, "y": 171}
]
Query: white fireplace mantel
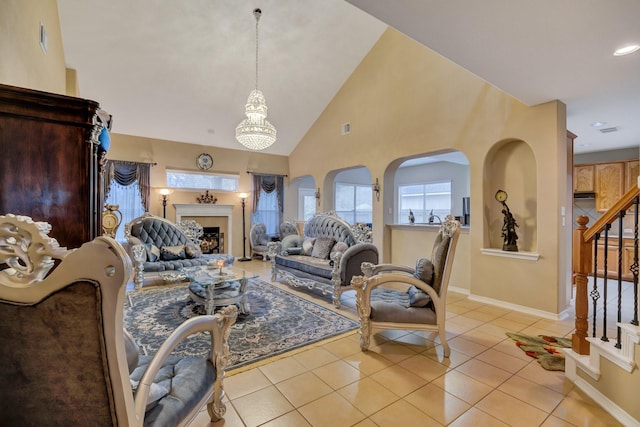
[{"x": 207, "y": 209}]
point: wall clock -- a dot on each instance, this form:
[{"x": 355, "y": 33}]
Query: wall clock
[{"x": 204, "y": 161}]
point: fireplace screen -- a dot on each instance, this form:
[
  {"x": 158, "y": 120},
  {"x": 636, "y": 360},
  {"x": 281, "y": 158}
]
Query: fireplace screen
[{"x": 212, "y": 241}]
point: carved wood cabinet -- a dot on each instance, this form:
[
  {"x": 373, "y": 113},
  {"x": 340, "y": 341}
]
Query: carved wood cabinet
[
  {"x": 584, "y": 178},
  {"x": 609, "y": 184},
  {"x": 49, "y": 167}
]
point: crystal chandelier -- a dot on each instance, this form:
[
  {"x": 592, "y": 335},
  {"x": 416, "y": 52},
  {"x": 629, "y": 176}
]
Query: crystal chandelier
[{"x": 255, "y": 132}]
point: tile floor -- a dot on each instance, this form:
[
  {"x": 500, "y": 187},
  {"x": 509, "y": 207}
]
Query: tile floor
[{"x": 404, "y": 380}]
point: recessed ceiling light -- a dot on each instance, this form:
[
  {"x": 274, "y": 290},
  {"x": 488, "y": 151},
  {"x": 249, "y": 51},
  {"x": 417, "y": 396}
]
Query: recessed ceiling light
[
  {"x": 584, "y": 145},
  {"x": 626, "y": 50},
  {"x": 598, "y": 124}
]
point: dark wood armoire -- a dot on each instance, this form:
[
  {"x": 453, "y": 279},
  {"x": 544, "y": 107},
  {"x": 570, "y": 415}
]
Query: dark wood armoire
[{"x": 49, "y": 168}]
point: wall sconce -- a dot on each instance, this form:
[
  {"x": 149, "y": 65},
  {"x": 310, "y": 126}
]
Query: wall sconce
[
  {"x": 376, "y": 189},
  {"x": 164, "y": 192},
  {"x": 318, "y": 196}
]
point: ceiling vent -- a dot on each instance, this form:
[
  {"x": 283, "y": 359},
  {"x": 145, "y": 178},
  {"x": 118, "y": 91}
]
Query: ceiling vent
[{"x": 609, "y": 130}]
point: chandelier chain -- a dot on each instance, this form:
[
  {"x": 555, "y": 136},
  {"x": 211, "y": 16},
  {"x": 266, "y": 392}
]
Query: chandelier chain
[{"x": 257, "y": 13}]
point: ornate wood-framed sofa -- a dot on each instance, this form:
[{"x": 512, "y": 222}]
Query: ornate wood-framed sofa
[
  {"x": 66, "y": 359},
  {"x": 159, "y": 245},
  {"x": 329, "y": 254}
]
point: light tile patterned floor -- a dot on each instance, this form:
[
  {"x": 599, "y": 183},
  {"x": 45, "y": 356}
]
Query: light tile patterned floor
[{"x": 404, "y": 380}]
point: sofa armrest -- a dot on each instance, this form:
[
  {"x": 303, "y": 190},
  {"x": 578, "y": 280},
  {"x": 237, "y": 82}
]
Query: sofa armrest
[{"x": 351, "y": 260}]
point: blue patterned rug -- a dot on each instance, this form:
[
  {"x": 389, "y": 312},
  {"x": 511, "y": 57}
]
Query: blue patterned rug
[{"x": 279, "y": 322}]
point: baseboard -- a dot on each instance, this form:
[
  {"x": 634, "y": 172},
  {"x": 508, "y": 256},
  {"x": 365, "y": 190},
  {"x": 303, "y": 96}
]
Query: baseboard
[
  {"x": 457, "y": 290},
  {"x": 607, "y": 404},
  {"x": 521, "y": 308}
]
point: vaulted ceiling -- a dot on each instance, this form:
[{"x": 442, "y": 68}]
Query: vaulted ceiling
[{"x": 182, "y": 71}]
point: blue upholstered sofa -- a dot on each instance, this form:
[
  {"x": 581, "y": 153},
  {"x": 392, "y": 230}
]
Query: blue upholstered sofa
[
  {"x": 159, "y": 245},
  {"x": 328, "y": 255}
]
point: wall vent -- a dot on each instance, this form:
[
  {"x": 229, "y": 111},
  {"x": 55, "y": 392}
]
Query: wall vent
[
  {"x": 346, "y": 129},
  {"x": 609, "y": 130}
]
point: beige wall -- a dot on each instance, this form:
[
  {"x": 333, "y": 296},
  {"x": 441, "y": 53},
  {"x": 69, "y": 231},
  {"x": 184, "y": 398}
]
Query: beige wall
[
  {"x": 404, "y": 100},
  {"x": 22, "y": 61},
  {"x": 181, "y": 156}
]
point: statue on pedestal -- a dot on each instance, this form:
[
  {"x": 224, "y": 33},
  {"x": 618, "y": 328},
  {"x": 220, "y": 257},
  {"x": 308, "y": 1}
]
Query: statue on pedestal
[{"x": 509, "y": 225}]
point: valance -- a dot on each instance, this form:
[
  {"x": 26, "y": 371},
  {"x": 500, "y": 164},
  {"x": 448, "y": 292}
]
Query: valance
[{"x": 126, "y": 173}]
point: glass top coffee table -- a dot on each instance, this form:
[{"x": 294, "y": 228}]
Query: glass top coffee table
[{"x": 214, "y": 287}]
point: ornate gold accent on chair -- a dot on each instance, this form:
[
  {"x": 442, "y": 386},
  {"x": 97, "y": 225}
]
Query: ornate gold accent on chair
[
  {"x": 425, "y": 305},
  {"x": 65, "y": 357}
]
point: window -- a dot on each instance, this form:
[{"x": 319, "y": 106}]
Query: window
[
  {"x": 306, "y": 203},
  {"x": 129, "y": 203},
  {"x": 422, "y": 199},
  {"x": 267, "y": 212},
  {"x": 201, "y": 181},
  {"x": 353, "y": 202}
]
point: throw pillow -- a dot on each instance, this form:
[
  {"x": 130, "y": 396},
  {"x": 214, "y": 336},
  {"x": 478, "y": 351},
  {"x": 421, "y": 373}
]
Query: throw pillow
[
  {"x": 322, "y": 247},
  {"x": 192, "y": 250},
  {"x": 294, "y": 251},
  {"x": 153, "y": 252},
  {"x": 339, "y": 247},
  {"x": 307, "y": 245},
  {"x": 424, "y": 270},
  {"x": 172, "y": 253},
  {"x": 417, "y": 297},
  {"x": 156, "y": 392}
]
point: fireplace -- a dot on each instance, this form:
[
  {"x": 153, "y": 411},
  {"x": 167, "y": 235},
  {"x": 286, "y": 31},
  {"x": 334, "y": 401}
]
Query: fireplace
[
  {"x": 212, "y": 242},
  {"x": 210, "y": 215}
]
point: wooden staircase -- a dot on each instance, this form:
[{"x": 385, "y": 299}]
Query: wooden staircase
[{"x": 606, "y": 341}]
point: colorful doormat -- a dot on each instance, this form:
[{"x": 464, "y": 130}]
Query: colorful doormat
[
  {"x": 279, "y": 322},
  {"x": 545, "y": 349}
]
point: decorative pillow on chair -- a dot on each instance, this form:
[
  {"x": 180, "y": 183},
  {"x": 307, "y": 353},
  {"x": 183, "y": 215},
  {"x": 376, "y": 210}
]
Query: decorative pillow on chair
[
  {"x": 417, "y": 297},
  {"x": 307, "y": 245},
  {"x": 172, "y": 253},
  {"x": 322, "y": 247},
  {"x": 424, "y": 270},
  {"x": 192, "y": 250},
  {"x": 153, "y": 252},
  {"x": 339, "y": 247}
]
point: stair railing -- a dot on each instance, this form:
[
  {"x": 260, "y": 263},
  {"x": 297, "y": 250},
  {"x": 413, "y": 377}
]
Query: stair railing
[{"x": 585, "y": 263}]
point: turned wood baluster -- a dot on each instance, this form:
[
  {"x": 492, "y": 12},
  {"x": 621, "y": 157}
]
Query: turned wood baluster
[{"x": 582, "y": 263}]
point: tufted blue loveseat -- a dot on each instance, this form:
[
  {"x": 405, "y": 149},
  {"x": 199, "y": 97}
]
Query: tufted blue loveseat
[
  {"x": 328, "y": 255},
  {"x": 156, "y": 242}
]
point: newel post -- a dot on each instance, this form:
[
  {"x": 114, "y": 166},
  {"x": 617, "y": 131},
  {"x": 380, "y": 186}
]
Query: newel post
[{"x": 582, "y": 265}]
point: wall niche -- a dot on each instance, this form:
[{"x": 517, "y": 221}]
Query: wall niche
[{"x": 511, "y": 166}]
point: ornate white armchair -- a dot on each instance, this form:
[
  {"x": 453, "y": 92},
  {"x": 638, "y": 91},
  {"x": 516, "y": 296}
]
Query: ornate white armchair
[
  {"x": 422, "y": 305},
  {"x": 64, "y": 358}
]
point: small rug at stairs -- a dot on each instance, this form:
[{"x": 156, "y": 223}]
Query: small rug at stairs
[
  {"x": 279, "y": 321},
  {"x": 546, "y": 349}
]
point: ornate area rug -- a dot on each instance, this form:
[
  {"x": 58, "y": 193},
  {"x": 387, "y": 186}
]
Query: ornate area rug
[
  {"x": 545, "y": 349},
  {"x": 279, "y": 322}
]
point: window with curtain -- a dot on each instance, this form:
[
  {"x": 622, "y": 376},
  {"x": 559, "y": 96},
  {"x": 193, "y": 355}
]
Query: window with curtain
[
  {"x": 126, "y": 184},
  {"x": 422, "y": 199},
  {"x": 267, "y": 212},
  {"x": 130, "y": 204},
  {"x": 354, "y": 202},
  {"x": 268, "y": 200}
]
